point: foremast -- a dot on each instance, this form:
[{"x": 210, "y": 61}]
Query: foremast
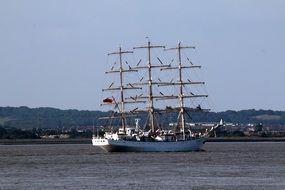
[{"x": 181, "y": 83}]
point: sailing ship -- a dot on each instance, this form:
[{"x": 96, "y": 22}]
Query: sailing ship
[{"x": 153, "y": 137}]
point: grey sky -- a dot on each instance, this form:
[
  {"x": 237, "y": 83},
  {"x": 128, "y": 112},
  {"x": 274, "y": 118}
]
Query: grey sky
[{"x": 53, "y": 53}]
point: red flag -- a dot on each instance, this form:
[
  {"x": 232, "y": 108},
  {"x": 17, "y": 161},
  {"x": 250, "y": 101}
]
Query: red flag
[{"x": 108, "y": 100}]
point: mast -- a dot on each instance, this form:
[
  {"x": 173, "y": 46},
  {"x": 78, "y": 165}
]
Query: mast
[
  {"x": 182, "y": 111},
  {"x": 121, "y": 87},
  {"x": 151, "y": 111},
  {"x": 181, "y": 83}
]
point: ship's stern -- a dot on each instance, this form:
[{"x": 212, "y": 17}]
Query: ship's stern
[{"x": 102, "y": 143}]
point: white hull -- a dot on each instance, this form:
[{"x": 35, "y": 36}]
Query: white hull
[{"x": 110, "y": 145}]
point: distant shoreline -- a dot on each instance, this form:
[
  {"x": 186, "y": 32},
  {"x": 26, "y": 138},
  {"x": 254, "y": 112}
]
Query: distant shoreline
[
  {"x": 88, "y": 140},
  {"x": 45, "y": 141},
  {"x": 246, "y": 139}
]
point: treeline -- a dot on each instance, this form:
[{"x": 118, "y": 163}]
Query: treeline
[
  {"x": 267, "y": 117},
  {"x": 24, "y": 117},
  {"x": 17, "y": 133},
  {"x": 29, "y": 118}
]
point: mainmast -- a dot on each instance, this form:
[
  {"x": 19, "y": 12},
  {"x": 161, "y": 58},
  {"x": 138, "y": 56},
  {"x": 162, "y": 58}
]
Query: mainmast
[{"x": 150, "y": 66}]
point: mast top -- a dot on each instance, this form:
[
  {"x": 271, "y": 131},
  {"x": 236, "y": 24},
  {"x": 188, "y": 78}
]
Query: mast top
[
  {"x": 120, "y": 52},
  {"x": 149, "y": 46},
  {"x": 180, "y": 47}
]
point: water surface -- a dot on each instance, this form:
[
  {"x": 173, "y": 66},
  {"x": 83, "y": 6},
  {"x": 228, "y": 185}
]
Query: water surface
[{"x": 221, "y": 166}]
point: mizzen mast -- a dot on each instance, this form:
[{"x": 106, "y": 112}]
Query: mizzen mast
[{"x": 121, "y": 87}]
